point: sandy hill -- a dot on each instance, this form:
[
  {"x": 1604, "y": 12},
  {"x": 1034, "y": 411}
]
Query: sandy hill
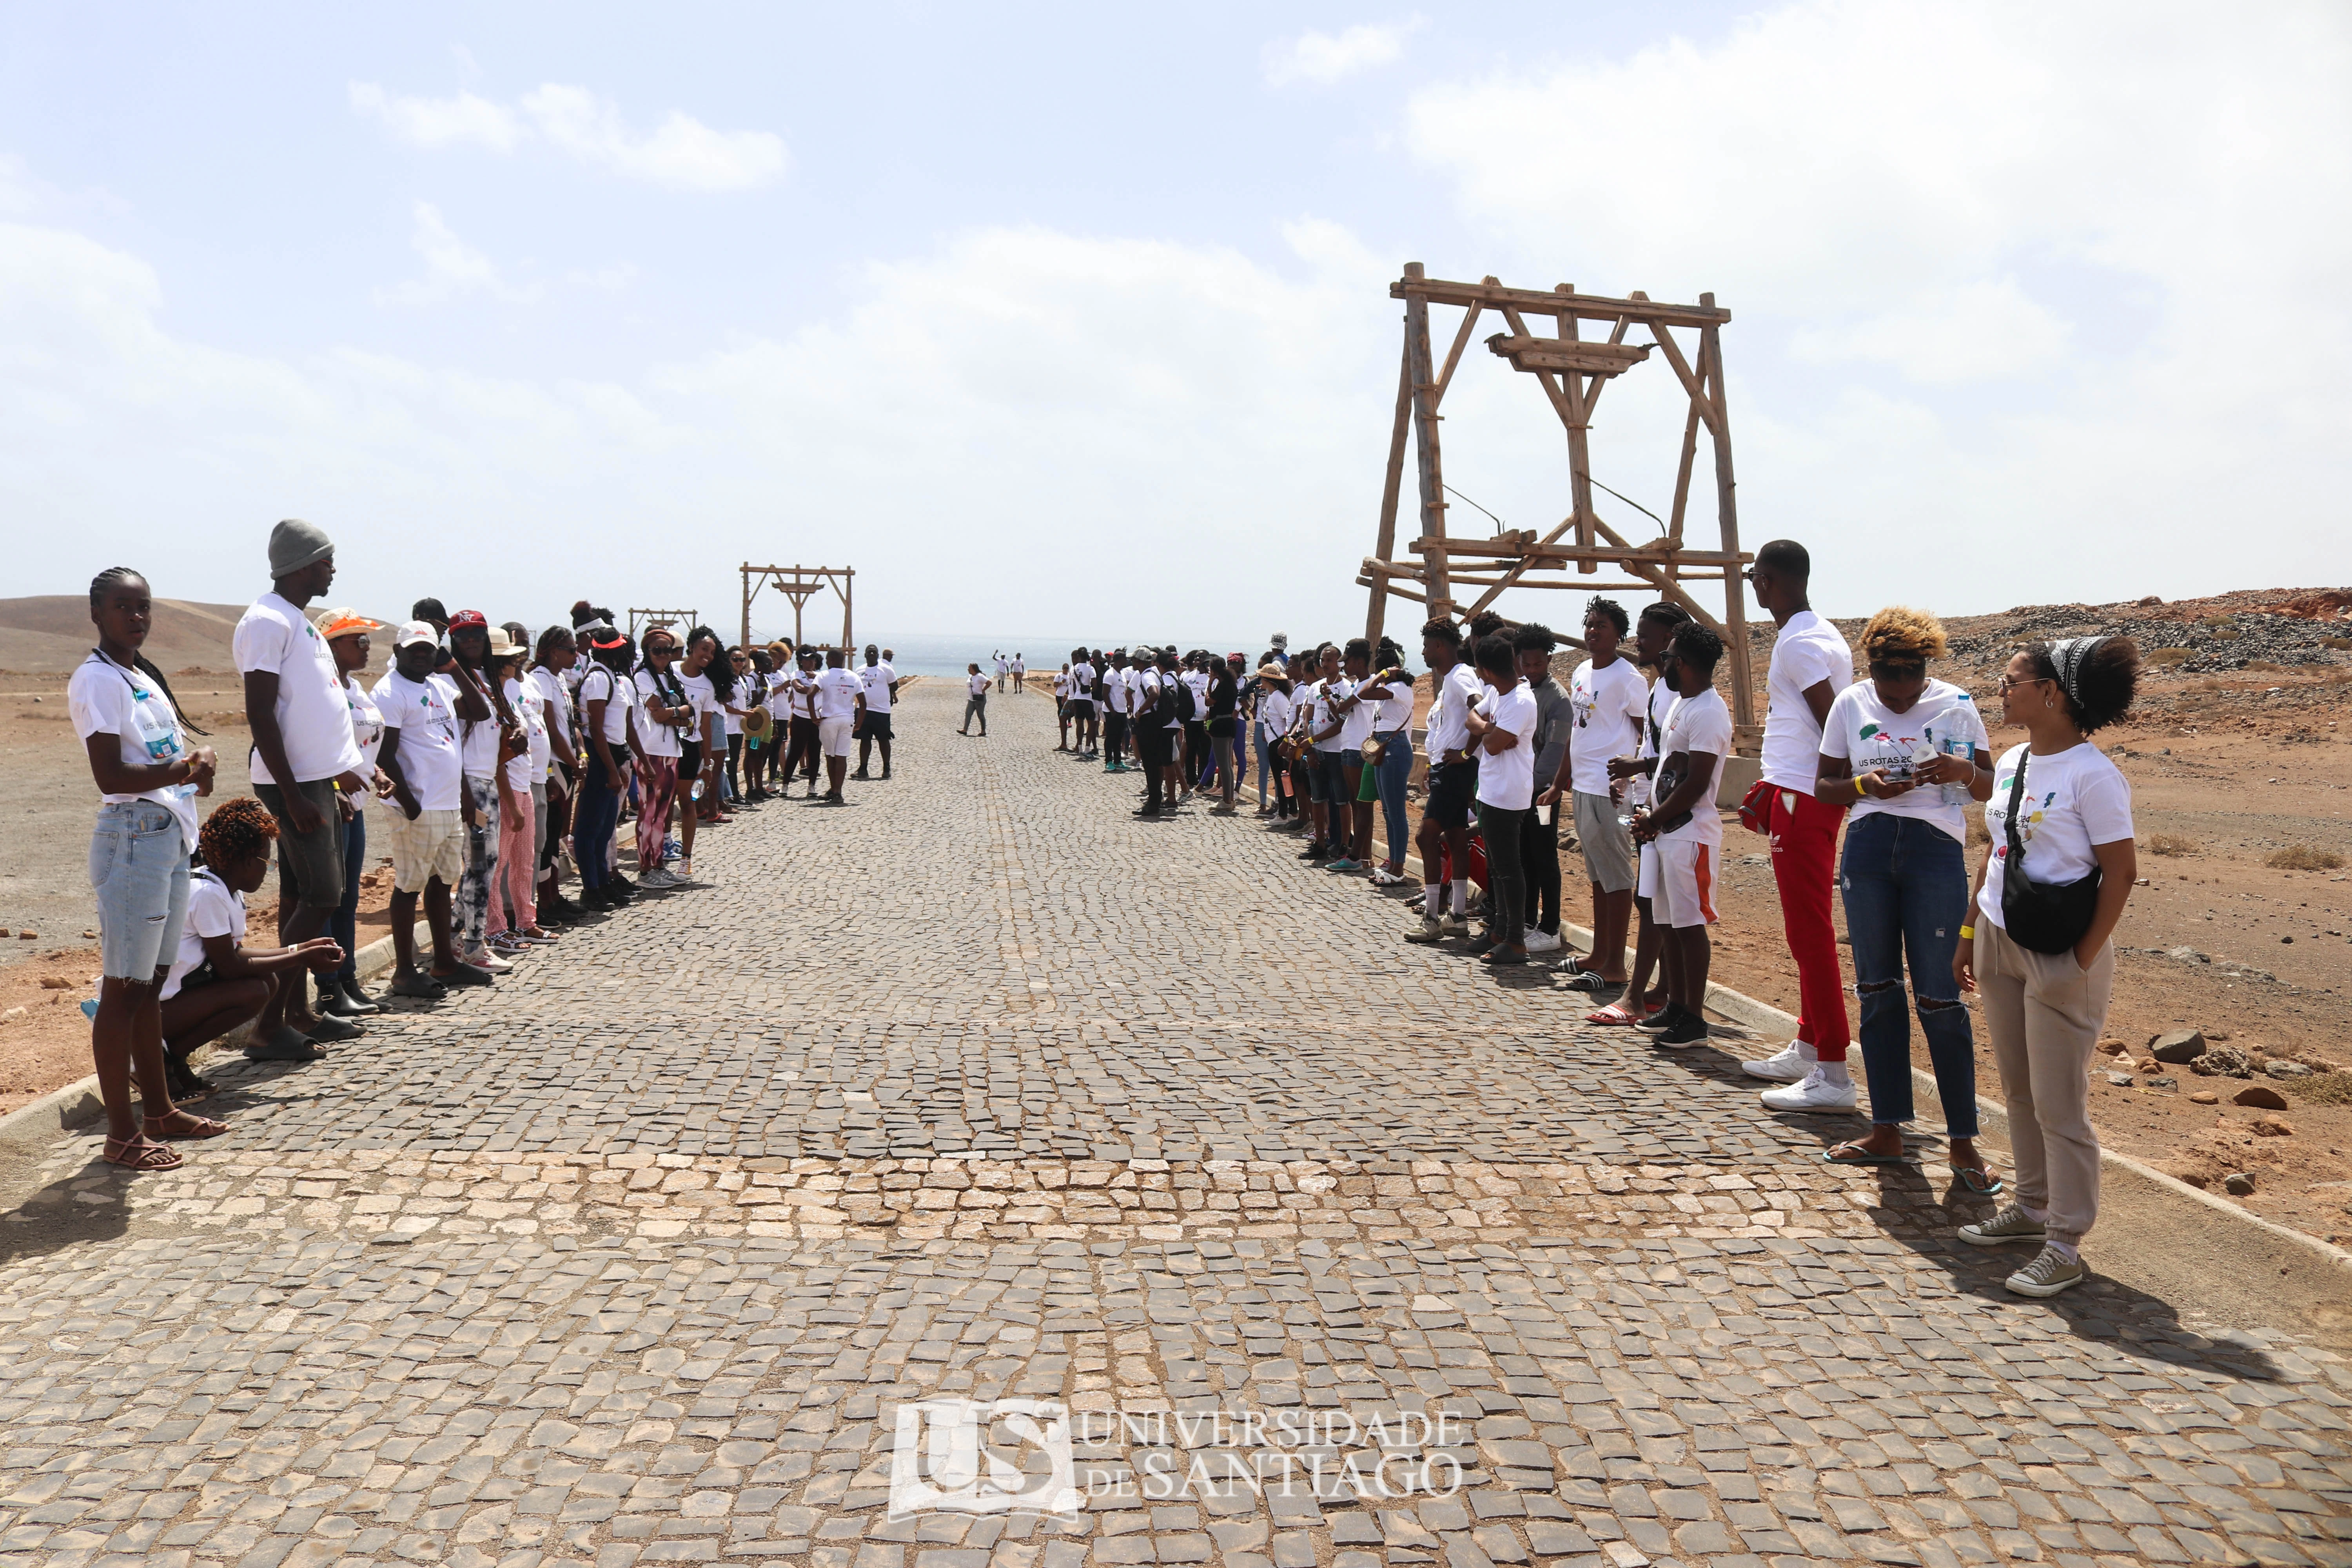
[{"x": 51, "y": 633}]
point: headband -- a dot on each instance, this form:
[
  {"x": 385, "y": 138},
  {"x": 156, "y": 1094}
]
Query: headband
[{"x": 2067, "y": 657}]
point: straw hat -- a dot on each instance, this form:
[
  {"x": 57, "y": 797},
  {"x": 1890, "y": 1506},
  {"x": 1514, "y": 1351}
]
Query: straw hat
[
  {"x": 502, "y": 646},
  {"x": 346, "y": 622}
]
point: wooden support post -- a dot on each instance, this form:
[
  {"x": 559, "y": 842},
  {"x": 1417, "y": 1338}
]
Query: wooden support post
[
  {"x": 1424, "y": 371},
  {"x": 1580, "y": 456},
  {"x": 1726, "y": 501},
  {"x": 1376, "y": 616},
  {"x": 1683, "y": 475}
]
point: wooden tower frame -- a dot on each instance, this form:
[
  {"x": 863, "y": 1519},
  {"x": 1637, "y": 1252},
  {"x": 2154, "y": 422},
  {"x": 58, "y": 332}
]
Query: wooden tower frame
[
  {"x": 1573, "y": 372},
  {"x": 679, "y": 619},
  {"x": 799, "y": 584}
]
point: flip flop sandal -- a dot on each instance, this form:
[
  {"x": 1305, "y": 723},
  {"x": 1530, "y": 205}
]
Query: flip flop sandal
[
  {"x": 1978, "y": 1179},
  {"x": 422, "y": 986},
  {"x": 303, "y": 1051},
  {"x": 1853, "y": 1154},
  {"x": 199, "y": 1127},
  {"x": 1589, "y": 981},
  {"x": 140, "y": 1157},
  {"x": 1614, "y": 1015}
]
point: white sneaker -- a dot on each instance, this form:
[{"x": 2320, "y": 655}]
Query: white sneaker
[
  {"x": 1815, "y": 1092},
  {"x": 658, "y": 879},
  {"x": 1539, "y": 940},
  {"x": 1454, "y": 925},
  {"x": 483, "y": 958},
  {"x": 1784, "y": 1066}
]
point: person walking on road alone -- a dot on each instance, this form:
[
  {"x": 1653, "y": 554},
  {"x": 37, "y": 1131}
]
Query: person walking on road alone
[{"x": 975, "y": 706}]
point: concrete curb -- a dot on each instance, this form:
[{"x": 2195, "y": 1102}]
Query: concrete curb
[
  {"x": 78, "y": 1105},
  {"x": 1748, "y": 1013}
]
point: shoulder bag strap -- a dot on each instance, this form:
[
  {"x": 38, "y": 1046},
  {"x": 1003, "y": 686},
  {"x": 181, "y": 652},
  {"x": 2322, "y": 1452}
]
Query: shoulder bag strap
[{"x": 2016, "y": 866}]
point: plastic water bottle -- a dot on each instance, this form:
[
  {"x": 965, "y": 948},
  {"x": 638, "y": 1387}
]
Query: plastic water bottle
[{"x": 696, "y": 793}]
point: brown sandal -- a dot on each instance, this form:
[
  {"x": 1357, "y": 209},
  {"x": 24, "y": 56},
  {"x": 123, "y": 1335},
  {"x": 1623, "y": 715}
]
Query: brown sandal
[
  {"x": 140, "y": 1157},
  {"x": 200, "y": 1127}
]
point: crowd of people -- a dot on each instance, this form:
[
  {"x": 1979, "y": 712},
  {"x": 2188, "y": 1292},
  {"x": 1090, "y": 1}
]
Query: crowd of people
[
  {"x": 497, "y": 764},
  {"x": 1630, "y": 753}
]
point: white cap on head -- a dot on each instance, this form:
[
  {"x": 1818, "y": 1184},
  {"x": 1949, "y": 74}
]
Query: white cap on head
[{"x": 416, "y": 631}]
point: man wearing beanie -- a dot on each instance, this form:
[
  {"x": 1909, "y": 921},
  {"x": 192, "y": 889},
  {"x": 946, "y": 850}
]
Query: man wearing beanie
[{"x": 304, "y": 757}]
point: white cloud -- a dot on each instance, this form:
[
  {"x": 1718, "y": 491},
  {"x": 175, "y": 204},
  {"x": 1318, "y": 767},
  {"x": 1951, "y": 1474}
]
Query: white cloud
[
  {"x": 437, "y": 122},
  {"x": 1326, "y": 57},
  {"x": 1011, "y": 384},
  {"x": 1926, "y": 221},
  {"x": 452, "y": 267},
  {"x": 681, "y": 153}
]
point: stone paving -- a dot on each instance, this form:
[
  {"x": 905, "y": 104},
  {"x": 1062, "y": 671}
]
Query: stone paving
[{"x": 985, "y": 1090}]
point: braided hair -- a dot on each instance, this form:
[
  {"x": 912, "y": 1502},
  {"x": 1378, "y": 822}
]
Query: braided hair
[
  {"x": 115, "y": 577},
  {"x": 236, "y": 828}
]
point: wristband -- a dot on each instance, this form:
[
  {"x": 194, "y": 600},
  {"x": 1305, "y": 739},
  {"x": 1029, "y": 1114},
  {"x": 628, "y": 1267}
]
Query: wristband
[
  {"x": 1967, "y": 933},
  {"x": 1859, "y": 792}
]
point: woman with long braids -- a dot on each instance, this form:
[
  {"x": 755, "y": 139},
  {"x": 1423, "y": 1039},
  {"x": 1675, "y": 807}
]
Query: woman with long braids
[
  {"x": 148, "y": 777},
  {"x": 2048, "y": 894},
  {"x": 557, "y": 653}
]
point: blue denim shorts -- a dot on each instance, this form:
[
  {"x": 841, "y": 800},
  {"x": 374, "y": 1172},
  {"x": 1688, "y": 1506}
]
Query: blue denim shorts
[{"x": 139, "y": 867}]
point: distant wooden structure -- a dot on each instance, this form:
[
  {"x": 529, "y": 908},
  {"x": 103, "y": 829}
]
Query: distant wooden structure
[
  {"x": 1573, "y": 372},
  {"x": 681, "y": 620},
  {"x": 799, "y": 584}
]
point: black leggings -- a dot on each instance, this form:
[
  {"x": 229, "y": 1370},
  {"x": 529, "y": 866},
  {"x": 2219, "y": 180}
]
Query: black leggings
[
  {"x": 735, "y": 766},
  {"x": 1540, "y": 862},
  {"x": 1507, "y": 879}
]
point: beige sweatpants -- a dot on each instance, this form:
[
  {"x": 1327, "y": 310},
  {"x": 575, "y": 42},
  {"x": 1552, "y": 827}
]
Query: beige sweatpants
[{"x": 2043, "y": 1013}]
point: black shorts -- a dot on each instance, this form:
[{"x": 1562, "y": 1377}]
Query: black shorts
[
  {"x": 1082, "y": 707},
  {"x": 873, "y": 727},
  {"x": 689, "y": 759},
  {"x": 1451, "y": 786}
]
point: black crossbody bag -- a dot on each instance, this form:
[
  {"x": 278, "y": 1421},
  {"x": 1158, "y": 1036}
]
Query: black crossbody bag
[{"x": 2041, "y": 917}]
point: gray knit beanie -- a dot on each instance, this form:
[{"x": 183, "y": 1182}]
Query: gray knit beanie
[{"x": 294, "y": 544}]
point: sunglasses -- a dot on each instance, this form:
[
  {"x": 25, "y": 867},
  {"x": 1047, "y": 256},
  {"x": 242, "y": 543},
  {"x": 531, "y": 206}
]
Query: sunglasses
[{"x": 2009, "y": 683}]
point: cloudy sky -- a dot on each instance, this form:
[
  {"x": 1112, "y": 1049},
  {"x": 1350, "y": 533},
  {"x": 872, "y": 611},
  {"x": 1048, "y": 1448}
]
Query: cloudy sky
[{"x": 1076, "y": 318}]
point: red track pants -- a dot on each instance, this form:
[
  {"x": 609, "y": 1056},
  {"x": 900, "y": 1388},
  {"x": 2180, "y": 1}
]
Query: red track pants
[{"x": 1804, "y": 864}]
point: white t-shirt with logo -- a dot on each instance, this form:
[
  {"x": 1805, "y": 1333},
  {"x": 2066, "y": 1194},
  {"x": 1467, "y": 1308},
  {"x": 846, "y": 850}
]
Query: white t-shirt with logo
[
  {"x": 1394, "y": 711},
  {"x": 1700, "y": 723},
  {"x": 1356, "y": 723},
  {"x": 877, "y": 679},
  {"x": 837, "y": 691},
  {"x": 367, "y": 729},
  {"x": 1656, "y": 707},
  {"x": 1328, "y": 696},
  {"x": 602, "y": 685},
  {"x": 979, "y": 684},
  {"x": 529, "y": 767},
  {"x": 213, "y": 909},
  {"x": 2073, "y": 800},
  {"x": 703, "y": 696},
  {"x": 555, "y": 702},
  {"x": 105, "y": 698},
  {"x": 1274, "y": 712},
  {"x": 1609, "y": 705},
  {"x": 313, "y": 719},
  {"x": 658, "y": 737},
  {"x": 1458, "y": 691},
  {"x": 426, "y": 713},
  {"x": 1082, "y": 682},
  {"x": 1506, "y": 779},
  {"x": 1807, "y": 652},
  {"x": 1863, "y": 732},
  {"x": 481, "y": 740}
]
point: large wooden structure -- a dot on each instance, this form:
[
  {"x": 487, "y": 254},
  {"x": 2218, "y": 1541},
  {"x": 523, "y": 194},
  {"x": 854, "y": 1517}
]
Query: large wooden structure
[
  {"x": 1573, "y": 370},
  {"x": 679, "y": 621},
  {"x": 799, "y": 584}
]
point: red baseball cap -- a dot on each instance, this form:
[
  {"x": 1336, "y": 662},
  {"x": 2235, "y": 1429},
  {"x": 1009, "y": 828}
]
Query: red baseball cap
[{"x": 468, "y": 618}]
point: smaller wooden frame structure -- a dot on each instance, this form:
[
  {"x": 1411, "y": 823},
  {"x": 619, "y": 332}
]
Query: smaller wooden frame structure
[
  {"x": 800, "y": 585},
  {"x": 1573, "y": 372},
  {"x": 680, "y": 619}
]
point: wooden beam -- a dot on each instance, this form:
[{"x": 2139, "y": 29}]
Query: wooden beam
[
  {"x": 1453, "y": 354},
  {"x": 1376, "y": 614},
  {"x": 1734, "y": 592},
  {"x": 1691, "y": 383},
  {"x": 1600, "y": 552},
  {"x": 1682, "y": 475},
  {"x": 1555, "y": 353},
  {"x": 1592, "y": 388},
  {"x": 1591, "y": 307},
  {"x": 1425, "y": 425}
]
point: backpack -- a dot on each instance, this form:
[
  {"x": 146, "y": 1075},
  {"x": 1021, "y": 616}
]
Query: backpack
[{"x": 1177, "y": 698}]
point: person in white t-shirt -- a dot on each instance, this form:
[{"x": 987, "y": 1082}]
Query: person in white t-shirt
[
  {"x": 840, "y": 698},
  {"x": 1810, "y": 665},
  {"x": 1654, "y": 635},
  {"x": 423, "y": 755},
  {"x": 604, "y": 696},
  {"x": 1118, "y": 694},
  {"x": 149, "y": 775},
  {"x": 1019, "y": 668},
  {"x": 1503, "y": 728},
  {"x": 664, "y": 720},
  {"x": 346, "y": 634},
  {"x": 1890, "y": 745},
  {"x": 513, "y": 924},
  {"x": 1453, "y": 764},
  {"x": 881, "y": 684},
  {"x": 1606, "y": 699},
  {"x": 2060, "y": 814},
  {"x": 551, "y": 673},
  {"x": 217, "y": 982},
  {"x": 1004, "y": 668},
  {"x": 305, "y": 765},
  {"x": 975, "y": 703},
  {"x": 1082, "y": 703},
  {"x": 1684, "y": 825}
]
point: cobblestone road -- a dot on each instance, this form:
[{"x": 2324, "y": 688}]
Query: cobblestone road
[{"x": 982, "y": 1089}]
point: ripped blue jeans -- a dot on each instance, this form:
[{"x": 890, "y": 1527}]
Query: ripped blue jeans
[{"x": 1906, "y": 884}]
